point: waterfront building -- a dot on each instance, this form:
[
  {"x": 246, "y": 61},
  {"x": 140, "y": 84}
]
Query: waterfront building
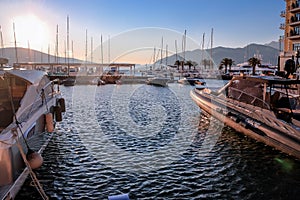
[{"x": 291, "y": 27}]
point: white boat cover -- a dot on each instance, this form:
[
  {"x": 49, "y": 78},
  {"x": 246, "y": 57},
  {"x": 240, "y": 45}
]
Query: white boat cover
[{"x": 32, "y": 76}]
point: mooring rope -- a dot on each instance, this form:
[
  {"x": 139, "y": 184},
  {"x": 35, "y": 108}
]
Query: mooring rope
[{"x": 35, "y": 180}]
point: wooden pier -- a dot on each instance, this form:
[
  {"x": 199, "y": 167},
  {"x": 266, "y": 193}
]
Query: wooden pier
[{"x": 77, "y": 67}]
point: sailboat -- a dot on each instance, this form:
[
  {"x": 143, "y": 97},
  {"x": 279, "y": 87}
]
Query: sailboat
[{"x": 70, "y": 80}]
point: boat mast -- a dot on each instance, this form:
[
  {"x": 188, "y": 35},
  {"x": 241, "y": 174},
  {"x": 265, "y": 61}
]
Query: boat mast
[
  {"x": 2, "y": 45},
  {"x": 41, "y": 54},
  {"x": 65, "y": 51},
  {"x": 72, "y": 51},
  {"x": 85, "y": 48},
  {"x": 15, "y": 43},
  {"x": 202, "y": 48},
  {"x": 56, "y": 45},
  {"x": 109, "y": 49},
  {"x": 176, "y": 57},
  {"x": 48, "y": 53},
  {"x": 166, "y": 55},
  {"x": 29, "y": 51},
  {"x": 211, "y": 46},
  {"x": 161, "y": 50},
  {"x": 68, "y": 47},
  {"x": 101, "y": 49},
  {"x": 154, "y": 55},
  {"x": 184, "y": 45},
  {"x": 91, "y": 49}
]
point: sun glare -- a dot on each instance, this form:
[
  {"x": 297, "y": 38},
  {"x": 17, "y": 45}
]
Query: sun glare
[{"x": 30, "y": 28}]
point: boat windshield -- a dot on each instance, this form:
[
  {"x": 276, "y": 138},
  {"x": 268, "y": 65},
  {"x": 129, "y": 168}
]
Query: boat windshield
[
  {"x": 247, "y": 91},
  {"x": 12, "y": 90},
  {"x": 278, "y": 95}
]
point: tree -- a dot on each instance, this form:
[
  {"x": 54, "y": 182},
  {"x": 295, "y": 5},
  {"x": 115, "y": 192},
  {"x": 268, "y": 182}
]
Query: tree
[
  {"x": 190, "y": 64},
  {"x": 205, "y": 62},
  {"x": 253, "y": 62},
  {"x": 177, "y": 63},
  {"x": 226, "y": 62},
  {"x": 194, "y": 64}
]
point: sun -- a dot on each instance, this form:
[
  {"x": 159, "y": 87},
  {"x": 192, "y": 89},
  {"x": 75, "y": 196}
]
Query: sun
[{"x": 31, "y": 30}]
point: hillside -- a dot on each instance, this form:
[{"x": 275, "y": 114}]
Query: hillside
[
  {"x": 24, "y": 55},
  {"x": 238, "y": 55}
]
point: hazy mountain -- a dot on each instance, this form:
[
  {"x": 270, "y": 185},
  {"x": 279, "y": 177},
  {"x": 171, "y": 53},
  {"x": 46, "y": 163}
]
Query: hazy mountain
[
  {"x": 266, "y": 53},
  {"x": 25, "y": 55},
  {"x": 273, "y": 44}
]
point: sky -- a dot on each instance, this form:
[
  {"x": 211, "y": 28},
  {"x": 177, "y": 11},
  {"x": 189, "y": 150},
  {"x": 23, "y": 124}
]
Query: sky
[{"x": 132, "y": 29}]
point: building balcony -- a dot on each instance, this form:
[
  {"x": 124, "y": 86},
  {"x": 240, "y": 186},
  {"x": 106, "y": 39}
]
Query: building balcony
[
  {"x": 282, "y": 14},
  {"x": 295, "y": 8},
  {"x": 295, "y": 23},
  {"x": 282, "y": 26},
  {"x": 294, "y": 36}
]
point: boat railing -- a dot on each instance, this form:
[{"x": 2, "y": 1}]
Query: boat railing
[
  {"x": 248, "y": 98},
  {"x": 46, "y": 93}
]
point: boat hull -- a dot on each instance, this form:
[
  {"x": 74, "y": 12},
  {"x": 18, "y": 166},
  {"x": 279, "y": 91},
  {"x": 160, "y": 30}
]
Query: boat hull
[
  {"x": 163, "y": 82},
  {"x": 33, "y": 103},
  {"x": 248, "y": 124}
]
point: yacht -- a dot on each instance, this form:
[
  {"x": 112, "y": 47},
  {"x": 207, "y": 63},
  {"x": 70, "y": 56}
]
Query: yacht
[
  {"x": 158, "y": 81},
  {"x": 191, "y": 81},
  {"x": 265, "y": 108},
  {"x": 28, "y": 102}
]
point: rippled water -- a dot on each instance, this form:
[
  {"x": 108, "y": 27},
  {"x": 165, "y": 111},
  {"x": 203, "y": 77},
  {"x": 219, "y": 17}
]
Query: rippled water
[{"x": 154, "y": 143}]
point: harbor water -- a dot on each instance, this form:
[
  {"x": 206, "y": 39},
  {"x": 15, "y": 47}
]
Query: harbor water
[{"x": 155, "y": 143}]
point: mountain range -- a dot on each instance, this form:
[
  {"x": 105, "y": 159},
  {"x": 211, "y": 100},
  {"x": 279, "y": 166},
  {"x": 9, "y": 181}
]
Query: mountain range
[{"x": 268, "y": 53}]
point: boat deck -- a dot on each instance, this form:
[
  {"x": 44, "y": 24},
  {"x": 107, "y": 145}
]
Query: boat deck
[{"x": 37, "y": 143}]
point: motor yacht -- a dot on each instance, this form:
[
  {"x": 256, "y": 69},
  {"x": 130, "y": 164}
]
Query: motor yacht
[
  {"x": 158, "y": 81},
  {"x": 265, "y": 108},
  {"x": 28, "y": 103}
]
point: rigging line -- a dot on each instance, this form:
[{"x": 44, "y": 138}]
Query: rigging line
[
  {"x": 43, "y": 96},
  {"x": 35, "y": 180},
  {"x": 14, "y": 113}
]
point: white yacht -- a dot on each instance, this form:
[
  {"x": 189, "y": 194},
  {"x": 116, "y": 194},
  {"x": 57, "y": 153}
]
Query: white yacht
[
  {"x": 28, "y": 101},
  {"x": 158, "y": 81},
  {"x": 265, "y": 108},
  {"x": 191, "y": 81}
]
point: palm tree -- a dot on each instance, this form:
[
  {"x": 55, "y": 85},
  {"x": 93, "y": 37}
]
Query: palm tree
[
  {"x": 194, "y": 65},
  {"x": 190, "y": 64},
  {"x": 253, "y": 62},
  {"x": 205, "y": 62},
  {"x": 226, "y": 62},
  {"x": 177, "y": 63}
]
